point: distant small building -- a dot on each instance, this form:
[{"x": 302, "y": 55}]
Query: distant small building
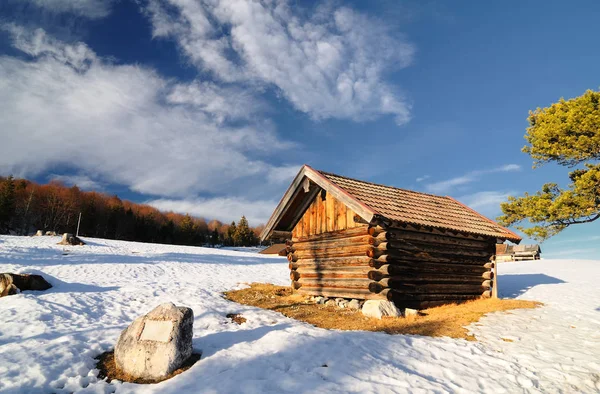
[
  {"x": 527, "y": 252},
  {"x": 353, "y": 239},
  {"x": 506, "y": 252}
]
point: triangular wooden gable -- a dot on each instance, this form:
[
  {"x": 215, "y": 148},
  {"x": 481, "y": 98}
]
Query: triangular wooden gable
[{"x": 306, "y": 193}]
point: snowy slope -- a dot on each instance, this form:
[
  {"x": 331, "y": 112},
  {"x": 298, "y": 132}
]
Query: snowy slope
[{"x": 48, "y": 340}]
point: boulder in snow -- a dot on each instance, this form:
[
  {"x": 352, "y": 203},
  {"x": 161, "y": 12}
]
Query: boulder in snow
[
  {"x": 39, "y": 233},
  {"x": 380, "y": 308},
  {"x": 13, "y": 283},
  {"x": 156, "y": 344},
  {"x": 70, "y": 239},
  {"x": 51, "y": 233}
]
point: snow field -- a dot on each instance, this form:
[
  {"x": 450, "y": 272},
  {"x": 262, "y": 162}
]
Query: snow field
[{"x": 48, "y": 340}]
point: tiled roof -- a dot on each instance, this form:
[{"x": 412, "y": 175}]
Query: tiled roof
[{"x": 420, "y": 208}]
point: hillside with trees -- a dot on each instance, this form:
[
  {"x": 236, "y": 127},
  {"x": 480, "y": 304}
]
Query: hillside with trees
[{"x": 27, "y": 206}]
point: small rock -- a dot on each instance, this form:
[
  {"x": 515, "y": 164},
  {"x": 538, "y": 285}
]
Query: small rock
[
  {"x": 51, "y": 233},
  {"x": 39, "y": 233},
  {"x": 354, "y": 304},
  {"x": 236, "y": 318},
  {"x": 323, "y": 300},
  {"x": 156, "y": 344},
  {"x": 410, "y": 312},
  {"x": 317, "y": 299},
  {"x": 380, "y": 308},
  {"x": 11, "y": 284},
  {"x": 70, "y": 239},
  {"x": 330, "y": 303}
]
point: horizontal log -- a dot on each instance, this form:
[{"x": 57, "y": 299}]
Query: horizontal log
[
  {"x": 389, "y": 225},
  {"x": 335, "y": 283},
  {"x": 350, "y": 232},
  {"x": 354, "y": 270},
  {"x": 414, "y": 272},
  {"x": 417, "y": 288},
  {"x": 359, "y": 250},
  {"x": 376, "y": 240},
  {"x": 341, "y": 293},
  {"x": 281, "y": 234},
  {"x": 426, "y": 278},
  {"x": 402, "y": 299},
  {"x": 331, "y": 262},
  {"x": 409, "y": 248},
  {"x": 376, "y": 230},
  {"x": 416, "y": 266},
  {"x": 329, "y": 274},
  {"x": 362, "y": 240},
  {"x": 391, "y": 257},
  {"x": 376, "y": 253},
  {"x": 405, "y": 282},
  {"x": 355, "y": 239},
  {"x": 435, "y": 239}
]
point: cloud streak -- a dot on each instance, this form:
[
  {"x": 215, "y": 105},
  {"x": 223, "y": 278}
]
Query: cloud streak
[
  {"x": 470, "y": 177},
  {"x": 226, "y": 209}
]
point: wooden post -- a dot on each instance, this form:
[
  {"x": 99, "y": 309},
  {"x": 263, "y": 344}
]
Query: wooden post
[
  {"x": 78, "y": 222},
  {"x": 495, "y": 288}
]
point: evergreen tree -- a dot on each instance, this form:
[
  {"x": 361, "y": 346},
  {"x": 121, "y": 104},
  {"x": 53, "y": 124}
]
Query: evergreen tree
[
  {"x": 243, "y": 235},
  {"x": 566, "y": 133},
  {"x": 214, "y": 238},
  {"x": 231, "y": 234},
  {"x": 187, "y": 230},
  {"x": 7, "y": 204}
]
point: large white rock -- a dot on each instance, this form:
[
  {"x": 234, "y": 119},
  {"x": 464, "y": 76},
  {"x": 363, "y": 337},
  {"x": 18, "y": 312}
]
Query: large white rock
[
  {"x": 155, "y": 345},
  {"x": 380, "y": 308}
]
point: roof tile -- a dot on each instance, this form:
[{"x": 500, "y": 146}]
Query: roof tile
[{"x": 412, "y": 207}]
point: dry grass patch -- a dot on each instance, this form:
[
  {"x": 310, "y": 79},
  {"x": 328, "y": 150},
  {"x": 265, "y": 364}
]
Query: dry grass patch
[
  {"x": 448, "y": 320},
  {"x": 108, "y": 369}
]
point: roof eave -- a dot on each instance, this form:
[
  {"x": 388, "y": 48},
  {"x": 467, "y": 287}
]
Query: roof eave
[{"x": 337, "y": 192}]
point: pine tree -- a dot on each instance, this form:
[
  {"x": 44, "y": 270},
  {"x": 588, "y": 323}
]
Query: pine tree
[
  {"x": 566, "y": 133},
  {"x": 187, "y": 230},
  {"x": 243, "y": 235},
  {"x": 214, "y": 238},
  {"x": 231, "y": 234},
  {"x": 7, "y": 204}
]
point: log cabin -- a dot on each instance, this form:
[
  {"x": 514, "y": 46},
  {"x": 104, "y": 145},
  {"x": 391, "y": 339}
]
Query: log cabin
[{"x": 353, "y": 239}]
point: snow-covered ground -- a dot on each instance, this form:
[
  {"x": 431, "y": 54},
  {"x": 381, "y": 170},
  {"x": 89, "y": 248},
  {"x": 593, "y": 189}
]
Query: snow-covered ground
[{"x": 48, "y": 340}]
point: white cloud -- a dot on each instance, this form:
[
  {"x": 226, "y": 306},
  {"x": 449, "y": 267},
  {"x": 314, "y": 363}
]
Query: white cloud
[
  {"x": 124, "y": 124},
  {"x": 423, "y": 178},
  {"x": 224, "y": 209},
  {"x": 486, "y": 203},
  {"x": 82, "y": 181},
  {"x": 92, "y": 9},
  {"x": 473, "y": 176},
  {"x": 330, "y": 64}
]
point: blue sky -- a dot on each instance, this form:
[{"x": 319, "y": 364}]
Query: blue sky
[{"x": 211, "y": 107}]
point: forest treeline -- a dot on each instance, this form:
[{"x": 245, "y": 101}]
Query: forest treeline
[{"x": 27, "y": 206}]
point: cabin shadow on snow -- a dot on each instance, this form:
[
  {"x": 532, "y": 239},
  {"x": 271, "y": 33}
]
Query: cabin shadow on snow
[{"x": 512, "y": 286}]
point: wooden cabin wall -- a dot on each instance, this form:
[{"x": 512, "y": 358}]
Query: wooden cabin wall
[
  {"x": 332, "y": 255},
  {"x": 411, "y": 267},
  {"x": 328, "y": 251},
  {"x": 419, "y": 268},
  {"x": 325, "y": 215}
]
